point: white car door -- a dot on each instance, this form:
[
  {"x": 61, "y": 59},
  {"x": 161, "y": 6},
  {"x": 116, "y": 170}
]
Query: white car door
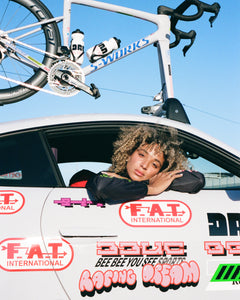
[
  {"x": 26, "y": 180},
  {"x": 175, "y": 245}
]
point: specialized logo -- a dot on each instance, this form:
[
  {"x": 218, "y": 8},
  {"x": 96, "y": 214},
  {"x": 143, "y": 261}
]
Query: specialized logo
[
  {"x": 10, "y": 202},
  {"x": 227, "y": 272},
  {"x": 155, "y": 213},
  {"x": 30, "y": 254},
  {"x": 116, "y": 55}
]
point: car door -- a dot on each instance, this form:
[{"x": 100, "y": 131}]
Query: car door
[
  {"x": 173, "y": 245},
  {"x": 26, "y": 179}
]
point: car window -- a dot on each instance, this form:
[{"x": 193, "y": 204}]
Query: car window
[
  {"x": 27, "y": 160},
  {"x": 89, "y": 146},
  {"x": 69, "y": 169},
  {"x": 215, "y": 176},
  {"x": 24, "y": 161}
]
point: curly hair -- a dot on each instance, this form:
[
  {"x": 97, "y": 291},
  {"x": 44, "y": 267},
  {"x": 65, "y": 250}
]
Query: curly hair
[{"x": 132, "y": 137}]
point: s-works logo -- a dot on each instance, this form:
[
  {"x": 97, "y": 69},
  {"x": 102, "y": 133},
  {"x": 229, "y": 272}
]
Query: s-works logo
[{"x": 155, "y": 213}]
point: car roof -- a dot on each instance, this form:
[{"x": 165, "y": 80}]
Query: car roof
[{"x": 29, "y": 124}]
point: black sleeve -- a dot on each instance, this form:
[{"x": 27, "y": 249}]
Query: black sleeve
[
  {"x": 191, "y": 182},
  {"x": 105, "y": 188}
]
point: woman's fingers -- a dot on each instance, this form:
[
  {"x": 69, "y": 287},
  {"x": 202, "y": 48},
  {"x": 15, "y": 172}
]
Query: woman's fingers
[
  {"x": 161, "y": 181},
  {"x": 175, "y": 174}
]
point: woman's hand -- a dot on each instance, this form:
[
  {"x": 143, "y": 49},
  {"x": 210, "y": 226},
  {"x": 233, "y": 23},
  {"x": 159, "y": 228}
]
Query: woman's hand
[{"x": 161, "y": 181}]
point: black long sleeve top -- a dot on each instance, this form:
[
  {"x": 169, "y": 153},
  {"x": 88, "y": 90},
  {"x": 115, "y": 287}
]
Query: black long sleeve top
[{"x": 106, "y": 188}]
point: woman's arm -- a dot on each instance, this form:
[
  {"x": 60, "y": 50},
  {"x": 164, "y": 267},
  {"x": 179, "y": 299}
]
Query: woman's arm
[
  {"x": 190, "y": 182},
  {"x": 181, "y": 181},
  {"x": 115, "y": 188},
  {"x": 112, "y": 187}
]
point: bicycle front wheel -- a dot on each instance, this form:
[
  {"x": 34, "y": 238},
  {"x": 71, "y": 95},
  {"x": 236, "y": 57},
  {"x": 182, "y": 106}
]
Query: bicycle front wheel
[{"x": 15, "y": 14}]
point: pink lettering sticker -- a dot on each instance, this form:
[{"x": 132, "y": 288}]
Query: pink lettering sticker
[
  {"x": 164, "y": 275},
  {"x": 100, "y": 280}
]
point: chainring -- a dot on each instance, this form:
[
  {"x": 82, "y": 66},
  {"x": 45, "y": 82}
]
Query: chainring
[{"x": 56, "y": 77}]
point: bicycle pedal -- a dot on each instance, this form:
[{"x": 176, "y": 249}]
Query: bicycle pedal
[{"x": 95, "y": 91}]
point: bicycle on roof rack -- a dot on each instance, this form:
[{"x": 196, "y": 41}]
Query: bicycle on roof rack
[{"x": 32, "y": 54}]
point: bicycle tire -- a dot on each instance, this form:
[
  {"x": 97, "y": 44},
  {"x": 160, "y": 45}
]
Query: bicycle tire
[{"x": 28, "y": 11}]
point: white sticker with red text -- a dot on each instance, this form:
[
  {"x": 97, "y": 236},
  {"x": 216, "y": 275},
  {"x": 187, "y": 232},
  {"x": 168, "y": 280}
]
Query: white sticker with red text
[
  {"x": 155, "y": 213},
  {"x": 30, "y": 254},
  {"x": 11, "y": 202}
]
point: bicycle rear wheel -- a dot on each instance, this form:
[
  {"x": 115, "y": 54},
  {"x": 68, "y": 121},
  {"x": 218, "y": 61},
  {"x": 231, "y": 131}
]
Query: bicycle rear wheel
[{"x": 15, "y": 14}]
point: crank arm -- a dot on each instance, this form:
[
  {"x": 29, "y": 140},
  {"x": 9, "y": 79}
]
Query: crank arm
[{"x": 92, "y": 90}]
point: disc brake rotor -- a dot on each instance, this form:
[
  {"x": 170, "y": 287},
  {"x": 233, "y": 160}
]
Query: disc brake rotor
[{"x": 58, "y": 74}]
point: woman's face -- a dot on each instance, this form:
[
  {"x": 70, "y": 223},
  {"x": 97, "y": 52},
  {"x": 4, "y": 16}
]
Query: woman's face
[{"x": 145, "y": 162}]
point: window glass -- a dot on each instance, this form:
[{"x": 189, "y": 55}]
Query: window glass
[
  {"x": 24, "y": 161},
  {"x": 216, "y": 177},
  {"x": 69, "y": 169},
  {"x": 89, "y": 146}
]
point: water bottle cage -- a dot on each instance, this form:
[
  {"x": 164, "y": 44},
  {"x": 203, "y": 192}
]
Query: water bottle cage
[
  {"x": 74, "y": 57},
  {"x": 98, "y": 56}
]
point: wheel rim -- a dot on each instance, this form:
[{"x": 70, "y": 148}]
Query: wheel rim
[{"x": 47, "y": 39}]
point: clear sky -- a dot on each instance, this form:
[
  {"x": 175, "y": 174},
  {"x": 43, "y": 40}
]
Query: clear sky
[{"x": 206, "y": 81}]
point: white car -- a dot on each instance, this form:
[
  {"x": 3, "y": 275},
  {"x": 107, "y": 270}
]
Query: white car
[{"x": 57, "y": 244}]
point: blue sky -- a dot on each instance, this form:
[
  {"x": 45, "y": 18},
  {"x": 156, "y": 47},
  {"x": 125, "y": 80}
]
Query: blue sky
[{"x": 206, "y": 81}]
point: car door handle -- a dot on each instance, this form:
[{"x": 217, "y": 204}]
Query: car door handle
[{"x": 86, "y": 232}]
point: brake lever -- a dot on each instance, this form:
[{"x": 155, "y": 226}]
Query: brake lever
[
  {"x": 213, "y": 18},
  {"x": 177, "y": 14}
]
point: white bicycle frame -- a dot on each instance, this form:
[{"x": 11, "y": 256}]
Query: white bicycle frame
[{"x": 161, "y": 37}]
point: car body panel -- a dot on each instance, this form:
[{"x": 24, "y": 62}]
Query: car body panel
[
  {"x": 27, "y": 124},
  {"x": 57, "y": 243},
  {"x": 20, "y": 231},
  {"x": 169, "y": 219}
]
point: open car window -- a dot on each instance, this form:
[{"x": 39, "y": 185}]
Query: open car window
[
  {"x": 89, "y": 146},
  {"x": 215, "y": 176},
  {"x": 49, "y": 157},
  {"x": 69, "y": 169}
]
